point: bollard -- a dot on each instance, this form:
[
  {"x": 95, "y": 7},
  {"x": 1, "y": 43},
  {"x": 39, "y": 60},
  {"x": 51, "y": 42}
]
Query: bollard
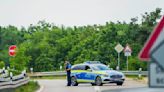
[
  {"x": 11, "y": 77},
  {"x": 31, "y": 69},
  {"x": 61, "y": 68},
  {"x": 3, "y": 70},
  {"x": 8, "y": 67},
  {"x": 139, "y": 73},
  {"x": 24, "y": 73},
  {"x": 117, "y": 68}
]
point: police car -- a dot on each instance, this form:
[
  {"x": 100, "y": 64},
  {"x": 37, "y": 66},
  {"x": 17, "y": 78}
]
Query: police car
[{"x": 95, "y": 73}]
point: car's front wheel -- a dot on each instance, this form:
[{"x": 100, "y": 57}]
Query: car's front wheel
[
  {"x": 74, "y": 81},
  {"x": 119, "y": 83},
  {"x": 98, "y": 81}
]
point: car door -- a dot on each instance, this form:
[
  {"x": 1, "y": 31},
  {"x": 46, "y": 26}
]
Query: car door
[
  {"x": 82, "y": 72},
  {"x": 77, "y": 71},
  {"x": 88, "y": 75}
]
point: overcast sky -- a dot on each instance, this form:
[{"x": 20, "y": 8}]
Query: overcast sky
[{"x": 73, "y": 12}]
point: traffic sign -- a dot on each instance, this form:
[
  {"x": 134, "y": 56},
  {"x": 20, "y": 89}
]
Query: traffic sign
[
  {"x": 157, "y": 55},
  {"x": 154, "y": 50},
  {"x": 127, "y": 51},
  {"x": 154, "y": 40},
  {"x": 156, "y": 75},
  {"x": 12, "y": 50},
  {"x": 119, "y": 48}
]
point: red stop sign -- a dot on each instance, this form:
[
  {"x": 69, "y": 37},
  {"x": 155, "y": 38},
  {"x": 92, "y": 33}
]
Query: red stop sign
[{"x": 12, "y": 50}]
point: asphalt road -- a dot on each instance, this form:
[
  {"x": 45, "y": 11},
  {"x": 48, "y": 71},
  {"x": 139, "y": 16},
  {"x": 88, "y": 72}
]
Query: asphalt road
[
  {"x": 139, "y": 89},
  {"x": 59, "y": 86}
]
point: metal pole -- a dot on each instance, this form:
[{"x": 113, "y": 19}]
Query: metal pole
[
  {"x": 118, "y": 61},
  {"x": 127, "y": 63},
  {"x": 139, "y": 74}
]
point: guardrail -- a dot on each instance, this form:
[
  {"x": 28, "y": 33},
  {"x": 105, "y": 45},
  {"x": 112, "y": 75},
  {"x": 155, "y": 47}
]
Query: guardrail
[
  {"x": 13, "y": 84},
  {"x": 145, "y": 73},
  {"x": 62, "y": 73},
  {"x": 8, "y": 81},
  {"x": 54, "y": 73}
]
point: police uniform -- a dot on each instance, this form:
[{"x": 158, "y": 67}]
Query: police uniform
[{"x": 68, "y": 66}]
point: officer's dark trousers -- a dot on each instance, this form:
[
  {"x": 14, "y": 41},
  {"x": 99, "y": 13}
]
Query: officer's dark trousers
[{"x": 68, "y": 78}]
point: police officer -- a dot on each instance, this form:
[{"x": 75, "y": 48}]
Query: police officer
[{"x": 68, "y": 70}]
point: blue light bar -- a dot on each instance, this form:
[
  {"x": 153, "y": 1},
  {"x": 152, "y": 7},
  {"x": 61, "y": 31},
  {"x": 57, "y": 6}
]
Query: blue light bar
[{"x": 92, "y": 62}]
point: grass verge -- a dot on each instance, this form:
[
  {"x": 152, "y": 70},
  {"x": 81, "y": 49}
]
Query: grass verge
[{"x": 32, "y": 86}]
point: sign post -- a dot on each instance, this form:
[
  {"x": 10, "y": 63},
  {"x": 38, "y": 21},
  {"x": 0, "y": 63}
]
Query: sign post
[
  {"x": 118, "y": 48},
  {"x": 153, "y": 51},
  {"x": 127, "y": 53}
]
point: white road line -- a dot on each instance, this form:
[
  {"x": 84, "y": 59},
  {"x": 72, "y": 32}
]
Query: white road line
[
  {"x": 41, "y": 89},
  {"x": 97, "y": 89}
]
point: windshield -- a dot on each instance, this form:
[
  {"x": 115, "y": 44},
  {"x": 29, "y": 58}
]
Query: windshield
[{"x": 99, "y": 67}]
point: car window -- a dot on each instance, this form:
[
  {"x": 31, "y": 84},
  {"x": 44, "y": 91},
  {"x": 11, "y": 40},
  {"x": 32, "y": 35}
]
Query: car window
[
  {"x": 79, "y": 67},
  {"x": 75, "y": 68},
  {"x": 99, "y": 67},
  {"x": 87, "y": 68}
]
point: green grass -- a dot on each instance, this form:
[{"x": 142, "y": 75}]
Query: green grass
[{"x": 32, "y": 86}]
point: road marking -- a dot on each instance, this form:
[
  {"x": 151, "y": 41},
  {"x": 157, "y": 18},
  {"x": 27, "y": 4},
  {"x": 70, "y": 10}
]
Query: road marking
[
  {"x": 41, "y": 89},
  {"x": 97, "y": 89}
]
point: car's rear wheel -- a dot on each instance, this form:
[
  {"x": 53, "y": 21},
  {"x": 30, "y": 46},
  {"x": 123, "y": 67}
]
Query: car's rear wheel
[
  {"x": 119, "y": 83},
  {"x": 74, "y": 81},
  {"x": 98, "y": 81}
]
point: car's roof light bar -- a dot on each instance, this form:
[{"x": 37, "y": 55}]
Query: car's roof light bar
[{"x": 92, "y": 62}]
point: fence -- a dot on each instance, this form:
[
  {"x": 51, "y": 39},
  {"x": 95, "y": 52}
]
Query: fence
[{"x": 8, "y": 81}]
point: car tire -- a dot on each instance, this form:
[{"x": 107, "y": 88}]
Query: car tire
[
  {"x": 74, "y": 81},
  {"x": 98, "y": 81},
  {"x": 119, "y": 83}
]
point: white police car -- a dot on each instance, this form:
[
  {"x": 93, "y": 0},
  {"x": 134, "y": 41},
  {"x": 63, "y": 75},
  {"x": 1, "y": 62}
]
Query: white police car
[{"x": 95, "y": 73}]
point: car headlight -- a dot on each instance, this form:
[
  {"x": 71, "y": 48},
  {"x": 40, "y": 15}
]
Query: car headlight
[{"x": 123, "y": 76}]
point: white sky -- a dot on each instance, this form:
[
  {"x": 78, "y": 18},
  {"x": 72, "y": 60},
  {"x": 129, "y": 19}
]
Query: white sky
[{"x": 73, "y": 12}]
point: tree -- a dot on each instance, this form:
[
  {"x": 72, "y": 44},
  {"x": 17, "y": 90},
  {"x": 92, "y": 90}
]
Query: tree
[{"x": 20, "y": 61}]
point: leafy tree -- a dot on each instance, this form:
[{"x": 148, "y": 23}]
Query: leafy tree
[
  {"x": 45, "y": 46},
  {"x": 20, "y": 61}
]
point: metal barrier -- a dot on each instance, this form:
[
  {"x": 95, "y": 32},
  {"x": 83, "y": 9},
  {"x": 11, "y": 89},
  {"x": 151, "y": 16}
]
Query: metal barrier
[
  {"x": 54, "y": 73},
  {"x": 9, "y": 81},
  {"x": 145, "y": 73},
  {"x": 13, "y": 84},
  {"x": 62, "y": 73}
]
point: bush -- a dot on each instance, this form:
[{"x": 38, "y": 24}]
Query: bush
[
  {"x": 15, "y": 72},
  {"x": 2, "y": 64}
]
